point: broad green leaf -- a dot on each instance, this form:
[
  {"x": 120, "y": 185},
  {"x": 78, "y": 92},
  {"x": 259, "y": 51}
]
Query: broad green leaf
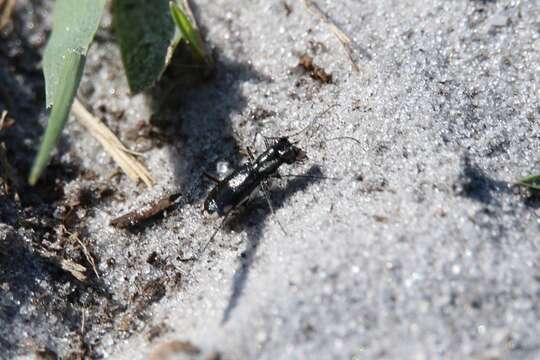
[
  {"x": 189, "y": 33},
  {"x": 75, "y": 24},
  {"x": 147, "y": 39},
  {"x": 532, "y": 182}
]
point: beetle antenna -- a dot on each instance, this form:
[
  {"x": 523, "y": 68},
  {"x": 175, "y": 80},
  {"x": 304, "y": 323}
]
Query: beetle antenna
[
  {"x": 298, "y": 132},
  {"x": 313, "y": 121},
  {"x": 345, "y": 138},
  {"x": 309, "y": 177}
]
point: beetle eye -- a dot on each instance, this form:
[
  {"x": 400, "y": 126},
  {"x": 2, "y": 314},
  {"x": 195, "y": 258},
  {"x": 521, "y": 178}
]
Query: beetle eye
[{"x": 301, "y": 155}]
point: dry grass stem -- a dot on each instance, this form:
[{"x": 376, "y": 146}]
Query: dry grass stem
[
  {"x": 86, "y": 253},
  {"x": 6, "y": 8},
  {"x": 120, "y": 154},
  {"x": 345, "y": 40},
  {"x": 3, "y": 116}
]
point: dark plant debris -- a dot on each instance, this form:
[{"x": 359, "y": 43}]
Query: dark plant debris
[
  {"x": 288, "y": 8},
  {"x": 260, "y": 113},
  {"x": 157, "y": 331},
  {"x": 76, "y": 270},
  {"x": 316, "y": 72},
  {"x": 151, "y": 292},
  {"x": 171, "y": 348},
  {"x": 8, "y": 178}
]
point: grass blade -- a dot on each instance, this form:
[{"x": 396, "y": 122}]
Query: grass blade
[
  {"x": 75, "y": 24},
  {"x": 71, "y": 76},
  {"x": 532, "y": 182},
  {"x": 189, "y": 33}
]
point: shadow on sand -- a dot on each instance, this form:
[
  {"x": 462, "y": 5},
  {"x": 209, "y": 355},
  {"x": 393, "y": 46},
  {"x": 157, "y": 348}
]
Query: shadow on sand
[{"x": 254, "y": 223}]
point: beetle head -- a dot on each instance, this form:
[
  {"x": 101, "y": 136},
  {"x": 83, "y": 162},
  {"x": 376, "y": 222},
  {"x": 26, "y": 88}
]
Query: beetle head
[{"x": 289, "y": 152}]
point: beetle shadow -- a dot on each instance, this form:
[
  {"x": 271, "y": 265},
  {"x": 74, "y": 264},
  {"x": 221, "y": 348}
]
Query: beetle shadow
[
  {"x": 254, "y": 223},
  {"x": 192, "y": 111}
]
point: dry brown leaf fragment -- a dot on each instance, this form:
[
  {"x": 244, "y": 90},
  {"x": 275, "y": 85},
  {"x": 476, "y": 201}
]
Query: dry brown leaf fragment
[
  {"x": 76, "y": 270},
  {"x": 316, "y": 72},
  {"x": 171, "y": 348}
]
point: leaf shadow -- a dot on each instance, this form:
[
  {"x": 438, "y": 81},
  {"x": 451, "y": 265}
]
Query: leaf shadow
[
  {"x": 30, "y": 295},
  {"x": 22, "y": 95},
  {"x": 475, "y": 184},
  {"x": 36, "y": 294},
  {"x": 192, "y": 112}
]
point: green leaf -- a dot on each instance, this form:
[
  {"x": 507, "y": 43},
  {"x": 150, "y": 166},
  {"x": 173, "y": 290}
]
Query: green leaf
[
  {"x": 532, "y": 182},
  {"x": 75, "y": 24},
  {"x": 189, "y": 33},
  {"x": 67, "y": 88},
  {"x": 147, "y": 39}
]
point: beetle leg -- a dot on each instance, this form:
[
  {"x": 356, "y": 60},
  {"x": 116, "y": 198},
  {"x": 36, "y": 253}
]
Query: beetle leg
[
  {"x": 211, "y": 177},
  {"x": 266, "y": 193},
  {"x": 277, "y": 175},
  {"x": 203, "y": 249},
  {"x": 250, "y": 154}
]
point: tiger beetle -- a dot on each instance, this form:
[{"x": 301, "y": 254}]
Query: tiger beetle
[{"x": 236, "y": 188}]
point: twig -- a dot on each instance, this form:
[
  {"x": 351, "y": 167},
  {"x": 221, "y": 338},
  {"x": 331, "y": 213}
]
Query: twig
[
  {"x": 144, "y": 213},
  {"x": 83, "y": 319},
  {"x": 6, "y": 12},
  {"x": 345, "y": 40},
  {"x": 121, "y": 155}
]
